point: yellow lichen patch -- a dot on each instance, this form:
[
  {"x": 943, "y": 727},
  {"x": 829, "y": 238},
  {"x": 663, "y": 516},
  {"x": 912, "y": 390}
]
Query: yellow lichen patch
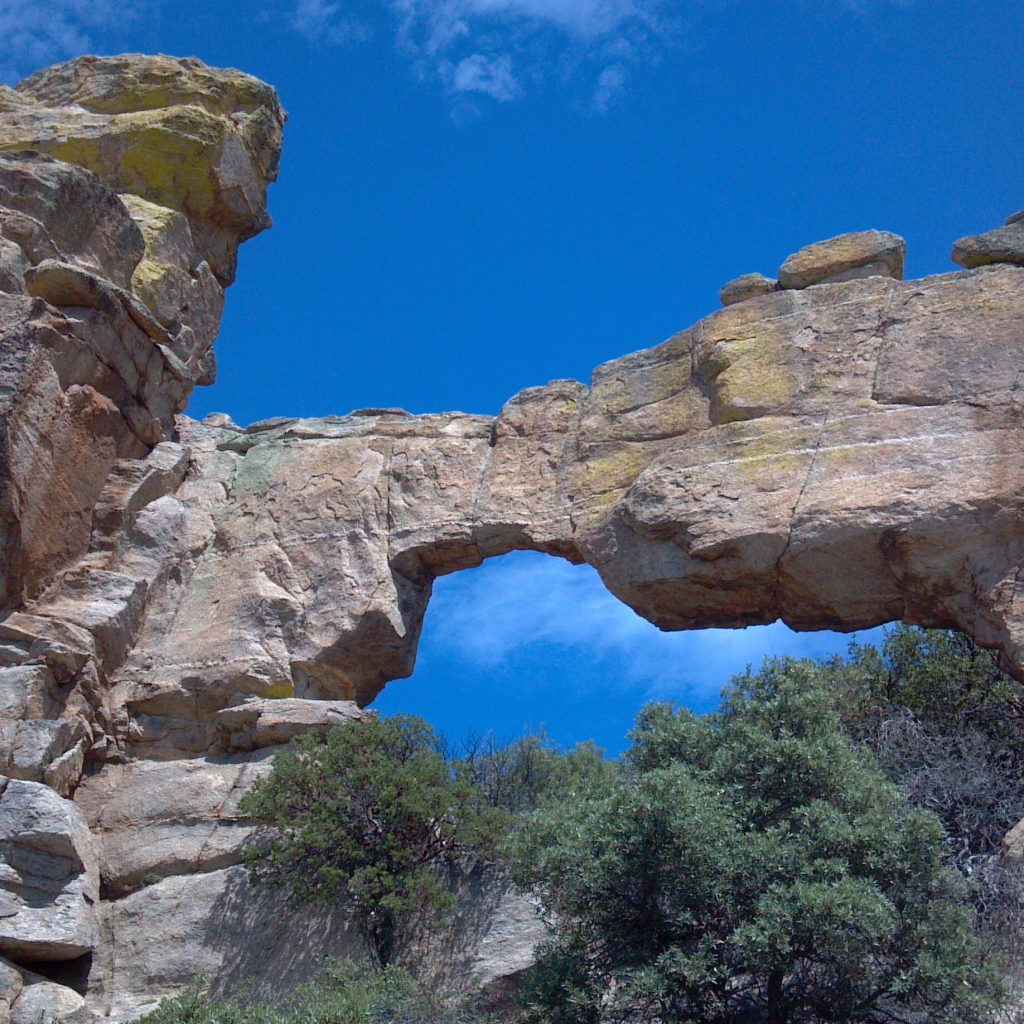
[
  {"x": 752, "y": 377},
  {"x": 168, "y": 241},
  {"x": 279, "y": 691},
  {"x": 168, "y": 156},
  {"x": 605, "y": 478}
]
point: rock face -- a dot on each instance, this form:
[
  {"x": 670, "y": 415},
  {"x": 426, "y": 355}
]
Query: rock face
[
  {"x": 49, "y": 875},
  {"x": 180, "y": 598},
  {"x": 1002, "y": 245},
  {"x": 845, "y": 258},
  {"x": 749, "y": 286}
]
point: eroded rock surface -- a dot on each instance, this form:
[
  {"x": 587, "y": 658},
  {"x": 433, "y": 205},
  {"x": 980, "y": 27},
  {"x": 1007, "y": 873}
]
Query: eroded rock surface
[
  {"x": 845, "y": 258},
  {"x": 180, "y": 598},
  {"x": 49, "y": 875}
]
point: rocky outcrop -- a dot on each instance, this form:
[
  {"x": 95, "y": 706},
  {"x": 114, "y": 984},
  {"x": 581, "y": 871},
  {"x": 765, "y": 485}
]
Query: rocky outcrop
[
  {"x": 1001, "y": 245},
  {"x": 845, "y": 258},
  {"x": 748, "y": 286},
  {"x": 49, "y": 875},
  {"x": 180, "y": 598}
]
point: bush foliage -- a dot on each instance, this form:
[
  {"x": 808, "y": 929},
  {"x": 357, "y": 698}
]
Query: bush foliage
[
  {"x": 751, "y": 865},
  {"x": 346, "y": 994},
  {"x": 823, "y": 848},
  {"x": 372, "y": 814}
]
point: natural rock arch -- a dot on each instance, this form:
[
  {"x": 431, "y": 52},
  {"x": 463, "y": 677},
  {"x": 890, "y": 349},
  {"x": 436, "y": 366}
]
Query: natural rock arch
[{"x": 840, "y": 453}]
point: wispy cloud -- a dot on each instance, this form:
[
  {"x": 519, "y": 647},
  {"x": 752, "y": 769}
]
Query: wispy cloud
[
  {"x": 324, "y": 23},
  {"x": 488, "y": 616},
  {"x": 490, "y": 76},
  {"x": 34, "y": 33},
  {"x": 589, "y": 43}
]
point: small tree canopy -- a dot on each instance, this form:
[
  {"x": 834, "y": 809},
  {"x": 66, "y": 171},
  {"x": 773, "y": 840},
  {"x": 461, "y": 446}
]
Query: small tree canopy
[
  {"x": 751, "y": 866},
  {"x": 371, "y": 812}
]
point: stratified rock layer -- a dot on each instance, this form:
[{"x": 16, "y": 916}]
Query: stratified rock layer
[{"x": 181, "y": 597}]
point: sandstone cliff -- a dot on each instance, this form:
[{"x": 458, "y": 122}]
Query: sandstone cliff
[{"x": 838, "y": 448}]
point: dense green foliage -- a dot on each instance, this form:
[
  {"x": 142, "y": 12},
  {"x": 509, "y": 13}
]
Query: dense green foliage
[
  {"x": 789, "y": 859},
  {"x": 751, "y": 865},
  {"x": 371, "y": 814},
  {"x": 946, "y": 725},
  {"x": 347, "y": 994}
]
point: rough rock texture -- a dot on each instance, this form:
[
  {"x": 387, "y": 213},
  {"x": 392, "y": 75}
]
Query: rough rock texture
[
  {"x": 749, "y": 286},
  {"x": 49, "y": 875},
  {"x": 1012, "y": 847},
  {"x": 845, "y": 258},
  {"x": 179, "y": 598},
  {"x": 1002, "y": 245}
]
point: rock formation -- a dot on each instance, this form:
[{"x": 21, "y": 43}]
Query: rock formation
[{"x": 180, "y": 597}]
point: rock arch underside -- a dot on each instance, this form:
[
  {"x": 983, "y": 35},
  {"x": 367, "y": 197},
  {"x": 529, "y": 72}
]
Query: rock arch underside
[{"x": 837, "y": 449}]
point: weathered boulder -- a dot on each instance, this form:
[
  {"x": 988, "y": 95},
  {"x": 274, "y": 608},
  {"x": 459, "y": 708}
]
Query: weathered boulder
[
  {"x": 11, "y": 984},
  {"x": 1001, "y": 245},
  {"x": 44, "y": 1002},
  {"x": 845, "y": 258},
  {"x": 49, "y": 875},
  {"x": 1012, "y": 847},
  {"x": 749, "y": 286},
  {"x": 264, "y": 723},
  {"x": 200, "y": 140}
]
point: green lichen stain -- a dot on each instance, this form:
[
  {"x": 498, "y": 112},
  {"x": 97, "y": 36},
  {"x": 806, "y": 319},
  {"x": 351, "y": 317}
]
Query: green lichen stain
[
  {"x": 753, "y": 377},
  {"x": 155, "y": 222},
  {"x": 280, "y": 691},
  {"x": 606, "y": 478}
]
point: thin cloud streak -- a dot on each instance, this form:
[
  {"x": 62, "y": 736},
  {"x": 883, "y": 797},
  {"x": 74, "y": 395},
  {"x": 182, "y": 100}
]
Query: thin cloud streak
[
  {"x": 321, "y": 22},
  {"x": 490, "y": 616},
  {"x": 34, "y": 33}
]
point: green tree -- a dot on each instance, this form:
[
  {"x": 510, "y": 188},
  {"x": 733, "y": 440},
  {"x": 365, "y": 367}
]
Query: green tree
[
  {"x": 946, "y": 724},
  {"x": 375, "y": 813},
  {"x": 751, "y": 866}
]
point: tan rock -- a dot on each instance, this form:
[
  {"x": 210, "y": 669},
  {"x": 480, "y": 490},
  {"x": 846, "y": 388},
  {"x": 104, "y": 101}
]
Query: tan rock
[
  {"x": 845, "y": 258},
  {"x": 1002, "y": 245},
  {"x": 45, "y": 1002},
  {"x": 264, "y": 723},
  {"x": 49, "y": 877},
  {"x": 749, "y": 286},
  {"x": 195, "y": 139},
  {"x": 1012, "y": 847},
  {"x": 834, "y": 457},
  {"x": 160, "y": 818}
]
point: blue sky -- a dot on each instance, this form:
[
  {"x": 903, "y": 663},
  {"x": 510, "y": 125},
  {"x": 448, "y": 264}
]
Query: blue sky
[{"x": 481, "y": 195}]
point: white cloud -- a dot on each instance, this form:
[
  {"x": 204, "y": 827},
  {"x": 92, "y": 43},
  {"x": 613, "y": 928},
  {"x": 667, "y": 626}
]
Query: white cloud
[
  {"x": 34, "y": 33},
  {"x": 611, "y": 83},
  {"x": 491, "y": 76},
  {"x": 321, "y": 22},
  {"x": 563, "y": 39},
  {"x": 484, "y": 617}
]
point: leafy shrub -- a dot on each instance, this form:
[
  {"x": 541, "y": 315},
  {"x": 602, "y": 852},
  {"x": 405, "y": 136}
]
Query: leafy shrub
[
  {"x": 752, "y": 865},
  {"x": 947, "y": 726},
  {"x": 372, "y": 812},
  {"x": 347, "y": 994}
]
